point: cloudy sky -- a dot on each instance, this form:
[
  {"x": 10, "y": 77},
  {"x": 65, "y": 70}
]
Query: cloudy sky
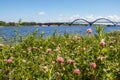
[{"x": 58, "y": 10}]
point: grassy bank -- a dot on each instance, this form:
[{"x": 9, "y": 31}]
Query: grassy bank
[{"x": 62, "y": 57}]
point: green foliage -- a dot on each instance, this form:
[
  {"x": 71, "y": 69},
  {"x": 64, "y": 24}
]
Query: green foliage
[
  {"x": 100, "y": 32},
  {"x": 36, "y": 58},
  {"x": 19, "y": 23},
  {"x": 2, "y": 23}
]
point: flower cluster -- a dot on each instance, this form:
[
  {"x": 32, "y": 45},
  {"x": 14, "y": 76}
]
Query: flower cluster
[{"x": 62, "y": 57}]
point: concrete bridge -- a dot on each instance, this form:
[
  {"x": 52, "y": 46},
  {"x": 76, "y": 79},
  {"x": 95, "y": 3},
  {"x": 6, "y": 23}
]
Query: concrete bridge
[{"x": 84, "y": 20}]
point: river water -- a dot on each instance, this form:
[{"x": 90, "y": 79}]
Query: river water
[{"x": 9, "y": 32}]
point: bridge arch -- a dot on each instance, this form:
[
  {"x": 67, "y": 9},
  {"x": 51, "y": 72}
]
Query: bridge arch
[
  {"x": 79, "y": 20},
  {"x": 103, "y": 19}
]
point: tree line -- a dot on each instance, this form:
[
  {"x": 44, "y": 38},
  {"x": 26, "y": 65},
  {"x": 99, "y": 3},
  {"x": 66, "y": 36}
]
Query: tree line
[
  {"x": 2, "y": 23},
  {"x": 20, "y": 23}
]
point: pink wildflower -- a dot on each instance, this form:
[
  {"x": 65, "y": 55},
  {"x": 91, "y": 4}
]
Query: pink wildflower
[
  {"x": 53, "y": 62},
  {"x": 70, "y": 61},
  {"x": 29, "y": 49},
  {"x": 8, "y": 61},
  {"x": 93, "y": 65},
  {"x": 45, "y": 68},
  {"x": 102, "y": 44},
  {"x": 76, "y": 71},
  {"x": 89, "y": 31},
  {"x": 48, "y": 50},
  {"x": 60, "y": 59}
]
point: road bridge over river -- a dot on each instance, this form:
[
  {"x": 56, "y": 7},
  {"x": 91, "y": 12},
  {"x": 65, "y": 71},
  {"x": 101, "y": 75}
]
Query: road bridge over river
[{"x": 104, "y": 21}]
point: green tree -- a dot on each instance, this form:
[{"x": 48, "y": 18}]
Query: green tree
[
  {"x": 19, "y": 23},
  {"x": 2, "y": 23}
]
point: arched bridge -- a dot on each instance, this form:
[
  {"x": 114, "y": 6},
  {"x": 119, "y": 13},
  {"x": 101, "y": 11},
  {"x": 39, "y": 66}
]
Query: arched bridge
[
  {"x": 88, "y": 22},
  {"x": 79, "y": 20},
  {"x": 91, "y": 23}
]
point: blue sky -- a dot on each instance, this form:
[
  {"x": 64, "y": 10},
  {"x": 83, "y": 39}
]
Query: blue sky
[{"x": 58, "y": 10}]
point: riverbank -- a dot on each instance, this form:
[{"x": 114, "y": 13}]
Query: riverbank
[{"x": 65, "y": 56}]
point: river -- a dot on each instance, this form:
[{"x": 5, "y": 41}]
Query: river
[{"x": 9, "y": 32}]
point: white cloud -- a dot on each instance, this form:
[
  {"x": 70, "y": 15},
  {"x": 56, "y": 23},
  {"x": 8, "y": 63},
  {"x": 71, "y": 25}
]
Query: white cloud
[
  {"x": 100, "y": 17},
  {"x": 92, "y": 17},
  {"x": 113, "y": 17},
  {"x": 76, "y": 16},
  {"x": 61, "y": 18},
  {"x": 41, "y": 13}
]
